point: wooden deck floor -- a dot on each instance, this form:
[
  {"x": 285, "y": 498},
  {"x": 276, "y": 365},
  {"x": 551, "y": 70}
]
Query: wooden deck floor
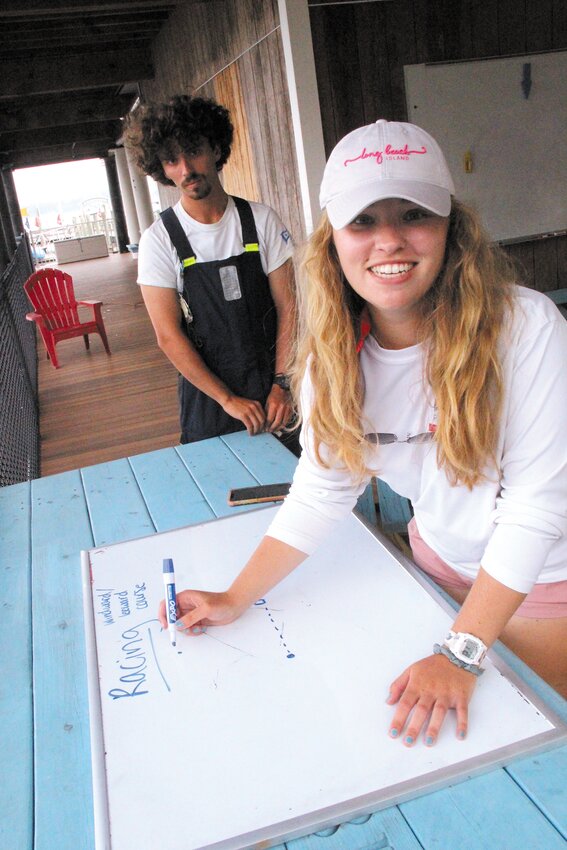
[{"x": 95, "y": 407}]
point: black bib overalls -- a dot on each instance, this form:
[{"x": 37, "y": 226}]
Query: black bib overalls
[{"x": 233, "y": 327}]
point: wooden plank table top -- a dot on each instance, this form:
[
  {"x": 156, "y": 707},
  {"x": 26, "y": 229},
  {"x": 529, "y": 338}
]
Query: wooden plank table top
[{"x": 45, "y": 763}]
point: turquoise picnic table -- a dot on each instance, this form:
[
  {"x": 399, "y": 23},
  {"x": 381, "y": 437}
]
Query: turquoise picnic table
[{"x": 45, "y": 761}]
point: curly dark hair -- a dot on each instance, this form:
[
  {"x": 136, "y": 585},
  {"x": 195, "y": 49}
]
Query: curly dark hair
[{"x": 158, "y": 132}]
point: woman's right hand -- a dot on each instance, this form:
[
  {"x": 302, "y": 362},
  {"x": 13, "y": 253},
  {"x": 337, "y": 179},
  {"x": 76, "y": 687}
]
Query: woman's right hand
[
  {"x": 197, "y": 609},
  {"x": 272, "y": 561}
]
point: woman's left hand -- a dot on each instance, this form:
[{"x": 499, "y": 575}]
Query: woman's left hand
[{"x": 427, "y": 690}]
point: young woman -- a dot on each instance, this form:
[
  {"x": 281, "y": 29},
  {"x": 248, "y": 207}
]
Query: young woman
[{"x": 421, "y": 360}]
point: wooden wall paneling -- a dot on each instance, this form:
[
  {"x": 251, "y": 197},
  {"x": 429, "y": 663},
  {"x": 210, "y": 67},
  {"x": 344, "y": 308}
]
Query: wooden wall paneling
[
  {"x": 559, "y": 24},
  {"x": 290, "y": 188},
  {"x": 422, "y": 11},
  {"x": 266, "y": 99},
  {"x": 349, "y": 71},
  {"x": 484, "y": 19},
  {"x": 254, "y": 100},
  {"x": 212, "y": 42},
  {"x": 262, "y": 92},
  {"x": 542, "y": 264},
  {"x": 195, "y": 43},
  {"x": 197, "y": 53},
  {"x": 462, "y": 21},
  {"x": 185, "y": 67},
  {"x": 219, "y": 37},
  {"x": 239, "y": 173},
  {"x": 207, "y": 89},
  {"x": 465, "y": 21},
  {"x": 545, "y": 265},
  {"x": 260, "y": 18},
  {"x": 167, "y": 53},
  {"x": 522, "y": 255},
  {"x": 271, "y": 15},
  {"x": 344, "y": 69},
  {"x": 323, "y": 74},
  {"x": 284, "y": 199},
  {"x": 418, "y": 15},
  {"x": 447, "y": 30},
  {"x": 539, "y": 25},
  {"x": 512, "y": 37},
  {"x": 374, "y": 62},
  {"x": 561, "y": 245},
  {"x": 401, "y": 50}
]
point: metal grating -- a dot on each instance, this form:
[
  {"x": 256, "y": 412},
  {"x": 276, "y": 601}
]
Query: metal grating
[{"x": 19, "y": 413}]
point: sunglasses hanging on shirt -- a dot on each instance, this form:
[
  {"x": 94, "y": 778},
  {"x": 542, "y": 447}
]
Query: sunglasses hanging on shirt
[{"x": 381, "y": 439}]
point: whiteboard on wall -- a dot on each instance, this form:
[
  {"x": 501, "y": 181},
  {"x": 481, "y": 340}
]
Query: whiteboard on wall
[
  {"x": 276, "y": 725},
  {"x": 517, "y": 145}
]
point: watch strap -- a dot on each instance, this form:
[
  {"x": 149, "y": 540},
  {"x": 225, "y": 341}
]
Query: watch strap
[
  {"x": 281, "y": 380},
  {"x": 470, "y": 668}
]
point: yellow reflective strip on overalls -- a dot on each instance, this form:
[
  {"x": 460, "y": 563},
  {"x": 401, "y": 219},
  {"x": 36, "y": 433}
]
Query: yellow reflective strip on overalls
[
  {"x": 251, "y": 246},
  {"x": 190, "y": 261}
]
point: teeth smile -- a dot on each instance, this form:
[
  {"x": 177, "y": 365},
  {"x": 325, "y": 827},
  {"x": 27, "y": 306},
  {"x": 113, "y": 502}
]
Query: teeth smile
[{"x": 392, "y": 268}]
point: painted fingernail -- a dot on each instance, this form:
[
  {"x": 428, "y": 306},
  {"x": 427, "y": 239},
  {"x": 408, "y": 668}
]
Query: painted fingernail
[
  {"x": 462, "y": 734},
  {"x": 409, "y": 739},
  {"x": 197, "y": 630},
  {"x": 180, "y": 624},
  {"x": 430, "y": 740},
  {"x": 394, "y": 733}
]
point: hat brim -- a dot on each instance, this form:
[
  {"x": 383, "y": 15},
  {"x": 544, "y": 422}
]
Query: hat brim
[{"x": 343, "y": 209}]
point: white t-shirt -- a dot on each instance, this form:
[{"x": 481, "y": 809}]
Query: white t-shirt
[
  {"x": 158, "y": 261},
  {"x": 515, "y": 524}
]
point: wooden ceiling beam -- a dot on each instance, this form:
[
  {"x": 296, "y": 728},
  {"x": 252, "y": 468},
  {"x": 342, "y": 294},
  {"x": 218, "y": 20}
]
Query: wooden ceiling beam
[
  {"x": 26, "y": 49},
  {"x": 43, "y": 74},
  {"x": 56, "y": 111},
  {"x": 53, "y": 136},
  {"x": 46, "y": 21},
  {"x": 59, "y": 153},
  {"x": 35, "y": 8},
  {"x": 75, "y": 28}
]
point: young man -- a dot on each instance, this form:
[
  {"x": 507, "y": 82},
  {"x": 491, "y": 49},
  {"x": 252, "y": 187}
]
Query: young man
[{"x": 216, "y": 276}]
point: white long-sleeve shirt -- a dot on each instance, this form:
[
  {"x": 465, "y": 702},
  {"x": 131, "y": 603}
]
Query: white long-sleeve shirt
[{"x": 514, "y": 523}]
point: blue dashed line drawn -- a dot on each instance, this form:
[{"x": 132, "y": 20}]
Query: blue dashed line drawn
[{"x": 261, "y": 603}]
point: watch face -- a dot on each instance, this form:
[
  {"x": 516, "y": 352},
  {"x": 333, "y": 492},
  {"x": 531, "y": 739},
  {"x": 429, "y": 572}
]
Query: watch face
[{"x": 470, "y": 649}]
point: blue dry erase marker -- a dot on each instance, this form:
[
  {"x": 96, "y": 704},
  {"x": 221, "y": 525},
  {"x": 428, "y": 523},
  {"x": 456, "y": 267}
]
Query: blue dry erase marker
[{"x": 170, "y": 603}]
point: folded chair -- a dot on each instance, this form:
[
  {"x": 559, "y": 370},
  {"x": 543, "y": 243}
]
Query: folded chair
[{"x": 56, "y": 310}]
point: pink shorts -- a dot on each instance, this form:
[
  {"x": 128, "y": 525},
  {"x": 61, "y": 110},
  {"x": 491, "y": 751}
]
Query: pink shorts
[{"x": 545, "y": 601}]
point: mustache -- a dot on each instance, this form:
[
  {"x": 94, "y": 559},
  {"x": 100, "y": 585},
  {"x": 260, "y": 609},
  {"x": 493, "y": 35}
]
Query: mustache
[{"x": 190, "y": 178}]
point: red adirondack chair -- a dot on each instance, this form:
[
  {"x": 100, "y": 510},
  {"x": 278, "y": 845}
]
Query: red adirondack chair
[{"x": 56, "y": 311}]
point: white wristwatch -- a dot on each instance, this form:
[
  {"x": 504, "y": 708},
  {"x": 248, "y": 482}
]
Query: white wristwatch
[{"x": 466, "y": 647}]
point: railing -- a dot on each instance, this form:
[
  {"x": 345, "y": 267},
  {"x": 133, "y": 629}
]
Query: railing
[
  {"x": 92, "y": 225},
  {"x": 19, "y": 412}
]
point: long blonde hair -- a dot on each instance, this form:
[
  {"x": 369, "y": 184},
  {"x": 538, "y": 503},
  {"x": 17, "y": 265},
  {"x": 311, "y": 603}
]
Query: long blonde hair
[{"x": 463, "y": 313}]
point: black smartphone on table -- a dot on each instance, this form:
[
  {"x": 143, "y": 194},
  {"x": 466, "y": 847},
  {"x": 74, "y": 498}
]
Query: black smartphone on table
[{"x": 258, "y": 493}]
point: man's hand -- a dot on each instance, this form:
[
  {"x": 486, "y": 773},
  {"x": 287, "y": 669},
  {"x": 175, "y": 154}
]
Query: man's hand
[
  {"x": 278, "y": 409},
  {"x": 249, "y": 412}
]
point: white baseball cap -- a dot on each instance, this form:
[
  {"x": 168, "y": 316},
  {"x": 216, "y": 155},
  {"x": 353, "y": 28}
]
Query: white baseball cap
[{"x": 388, "y": 159}]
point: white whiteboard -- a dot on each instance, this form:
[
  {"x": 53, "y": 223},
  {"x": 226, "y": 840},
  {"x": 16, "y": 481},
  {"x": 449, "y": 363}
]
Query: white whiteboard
[
  {"x": 519, "y": 178},
  {"x": 275, "y": 725}
]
